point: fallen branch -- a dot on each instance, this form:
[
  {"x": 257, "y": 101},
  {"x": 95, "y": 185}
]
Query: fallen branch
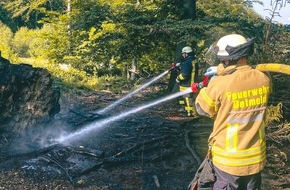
[
  {"x": 48, "y": 158},
  {"x": 87, "y": 151},
  {"x": 149, "y": 150},
  {"x": 156, "y": 181},
  {"x": 137, "y": 146},
  {"x": 188, "y": 145}
]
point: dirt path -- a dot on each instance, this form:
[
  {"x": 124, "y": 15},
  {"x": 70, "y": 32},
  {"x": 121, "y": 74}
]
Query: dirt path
[{"x": 147, "y": 150}]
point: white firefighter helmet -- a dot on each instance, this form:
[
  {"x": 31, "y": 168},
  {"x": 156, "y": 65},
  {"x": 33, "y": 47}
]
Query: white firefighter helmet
[
  {"x": 232, "y": 40},
  {"x": 234, "y": 46},
  {"x": 186, "y": 49},
  {"x": 230, "y": 47}
]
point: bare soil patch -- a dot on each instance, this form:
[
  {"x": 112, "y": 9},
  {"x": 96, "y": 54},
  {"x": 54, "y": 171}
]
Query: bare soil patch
[{"x": 146, "y": 150}]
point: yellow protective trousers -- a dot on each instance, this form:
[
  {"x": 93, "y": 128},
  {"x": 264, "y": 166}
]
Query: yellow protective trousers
[{"x": 187, "y": 102}]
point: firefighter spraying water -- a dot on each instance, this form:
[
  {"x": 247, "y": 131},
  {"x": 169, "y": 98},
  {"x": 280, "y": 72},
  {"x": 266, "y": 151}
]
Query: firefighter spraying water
[
  {"x": 236, "y": 99},
  {"x": 211, "y": 72},
  {"x": 184, "y": 75}
]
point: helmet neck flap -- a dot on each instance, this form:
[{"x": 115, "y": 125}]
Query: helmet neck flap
[{"x": 237, "y": 52}]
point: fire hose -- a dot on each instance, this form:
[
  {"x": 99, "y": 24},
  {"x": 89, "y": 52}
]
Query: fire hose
[
  {"x": 274, "y": 67},
  {"x": 264, "y": 67},
  {"x": 212, "y": 71}
]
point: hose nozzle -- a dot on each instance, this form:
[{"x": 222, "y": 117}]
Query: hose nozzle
[{"x": 174, "y": 66}]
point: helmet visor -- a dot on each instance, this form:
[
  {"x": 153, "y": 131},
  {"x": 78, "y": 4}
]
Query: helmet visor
[{"x": 210, "y": 55}]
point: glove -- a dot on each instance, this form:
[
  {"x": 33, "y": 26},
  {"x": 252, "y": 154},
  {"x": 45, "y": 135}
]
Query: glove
[
  {"x": 195, "y": 87},
  {"x": 174, "y": 66}
]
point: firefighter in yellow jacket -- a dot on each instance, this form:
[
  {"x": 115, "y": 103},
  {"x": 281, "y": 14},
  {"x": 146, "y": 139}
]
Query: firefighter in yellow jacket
[{"x": 237, "y": 101}]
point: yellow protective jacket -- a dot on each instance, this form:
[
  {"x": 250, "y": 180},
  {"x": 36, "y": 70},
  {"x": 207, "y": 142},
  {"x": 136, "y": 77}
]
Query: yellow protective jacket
[{"x": 237, "y": 102}]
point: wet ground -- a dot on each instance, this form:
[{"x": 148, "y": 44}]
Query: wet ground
[{"x": 156, "y": 148}]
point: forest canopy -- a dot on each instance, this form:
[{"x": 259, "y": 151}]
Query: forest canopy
[{"x": 97, "y": 38}]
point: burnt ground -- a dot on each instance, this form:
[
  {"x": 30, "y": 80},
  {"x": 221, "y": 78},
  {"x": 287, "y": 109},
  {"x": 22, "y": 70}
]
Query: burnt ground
[{"x": 155, "y": 148}]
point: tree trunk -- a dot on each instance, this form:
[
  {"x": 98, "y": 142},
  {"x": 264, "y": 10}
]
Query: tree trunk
[
  {"x": 189, "y": 9},
  {"x": 133, "y": 69},
  {"x": 69, "y": 25}
]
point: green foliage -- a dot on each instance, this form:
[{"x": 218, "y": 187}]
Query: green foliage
[
  {"x": 278, "y": 45},
  {"x": 30, "y": 12},
  {"x": 101, "y": 38},
  {"x": 22, "y": 40},
  {"x": 6, "y": 36},
  {"x": 234, "y": 8},
  {"x": 279, "y": 134},
  {"x": 5, "y": 18},
  {"x": 277, "y": 131},
  {"x": 274, "y": 113},
  {"x": 56, "y": 41},
  {"x": 87, "y": 14},
  {"x": 69, "y": 77},
  {"x": 169, "y": 9},
  {"x": 38, "y": 47}
]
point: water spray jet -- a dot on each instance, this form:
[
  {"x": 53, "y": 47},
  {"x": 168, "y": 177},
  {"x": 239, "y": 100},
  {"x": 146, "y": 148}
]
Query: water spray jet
[
  {"x": 97, "y": 125},
  {"x": 111, "y": 106}
]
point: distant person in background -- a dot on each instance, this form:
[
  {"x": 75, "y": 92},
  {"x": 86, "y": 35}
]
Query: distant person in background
[{"x": 187, "y": 74}]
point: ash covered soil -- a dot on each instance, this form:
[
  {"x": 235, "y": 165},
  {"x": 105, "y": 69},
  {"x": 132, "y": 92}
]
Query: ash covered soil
[{"x": 155, "y": 148}]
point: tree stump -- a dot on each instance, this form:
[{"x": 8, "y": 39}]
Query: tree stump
[{"x": 27, "y": 96}]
